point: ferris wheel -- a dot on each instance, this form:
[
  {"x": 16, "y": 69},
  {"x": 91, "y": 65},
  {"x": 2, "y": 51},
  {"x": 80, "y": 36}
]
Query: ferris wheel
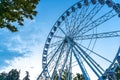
[{"x": 86, "y": 39}]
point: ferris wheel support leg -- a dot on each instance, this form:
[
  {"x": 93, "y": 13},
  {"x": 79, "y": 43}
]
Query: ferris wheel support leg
[
  {"x": 82, "y": 68},
  {"x": 79, "y": 62}
]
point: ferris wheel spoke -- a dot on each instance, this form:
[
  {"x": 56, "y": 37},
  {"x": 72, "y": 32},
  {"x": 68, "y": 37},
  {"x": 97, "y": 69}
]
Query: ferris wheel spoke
[
  {"x": 57, "y": 43},
  {"x": 87, "y": 61},
  {"x": 58, "y": 60},
  {"x": 51, "y": 53},
  {"x": 98, "y": 22},
  {"x": 59, "y": 37},
  {"x": 99, "y": 35},
  {"x": 92, "y": 13},
  {"x": 89, "y": 17},
  {"x": 63, "y": 31},
  {"x": 81, "y": 65},
  {"x": 78, "y": 16},
  {"x": 73, "y": 20},
  {"x": 65, "y": 61},
  {"x": 94, "y": 63},
  {"x": 67, "y": 25},
  {"x": 96, "y": 54},
  {"x": 45, "y": 65},
  {"x": 54, "y": 47},
  {"x": 70, "y": 67},
  {"x": 79, "y": 19},
  {"x": 55, "y": 53},
  {"x": 91, "y": 60}
]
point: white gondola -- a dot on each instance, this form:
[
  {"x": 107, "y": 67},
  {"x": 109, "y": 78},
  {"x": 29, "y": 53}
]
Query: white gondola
[
  {"x": 73, "y": 9},
  {"x": 101, "y": 1},
  {"x": 54, "y": 28},
  {"x": 86, "y": 2},
  {"x": 79, "y": 5},
  {"x": 93, "y": 1},
  {"x": 116, "y": 7},
  {"x": 110, "y": 3},
  {"x": 67, "y": 13},
  {"x": 63, "y": 18}
]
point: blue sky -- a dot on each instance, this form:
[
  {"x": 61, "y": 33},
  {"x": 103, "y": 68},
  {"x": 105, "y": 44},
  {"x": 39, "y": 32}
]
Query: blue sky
[{"x": 23, "y": 49}]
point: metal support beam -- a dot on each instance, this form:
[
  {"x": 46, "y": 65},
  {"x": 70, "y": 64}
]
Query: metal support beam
[
  {"x": 56, "y": 65},
  {"x": 49, "y": 62},
  {"x": 92, "y": 61},
  {"x": 88, "y": 17},
  {"x": 98, "y": 22},
  {"x": 87, "y": 62},
  {"x": 99, "y": 35},
  {"x": 65, "y": 60},
  {"x": 78, "y": 60}
]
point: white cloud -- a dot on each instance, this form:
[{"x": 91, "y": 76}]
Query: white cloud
[
  {"x": 17, "y": 44},
  {"x": 31, "y": 47},
  {"x": 31, "y": 62}
]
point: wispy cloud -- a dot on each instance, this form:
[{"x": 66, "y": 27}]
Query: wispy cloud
[
  {"x": 29, "y": 44},
  {"x": 31, "y": 62}
]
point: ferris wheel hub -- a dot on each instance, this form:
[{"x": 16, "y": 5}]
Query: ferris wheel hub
[{"x": 68, "y": 39}]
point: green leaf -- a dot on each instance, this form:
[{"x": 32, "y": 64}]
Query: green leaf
[{"x": 15, "y": 11}]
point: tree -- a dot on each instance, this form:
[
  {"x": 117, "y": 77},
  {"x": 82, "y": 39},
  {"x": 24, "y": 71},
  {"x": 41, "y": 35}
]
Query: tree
[
  {"x": 13, "y": 75},
  {"x": 3, "y": 76},
  {"x": 15, "y": 11},
  {"x": 62, "y": 77},
  {"x": 118, "y": 73},
  {"x": 79, "y": 77}
]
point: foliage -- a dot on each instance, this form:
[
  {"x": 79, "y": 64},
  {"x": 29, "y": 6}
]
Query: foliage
[
  {"x": 15, "y": 11},
  {"x": 66, "y": 74},
  {"x": 13, "y": 75},
  {"x": 118, "y": 73},
  {"x": 3, "y": 76},
  {"x": 79, "y": 77}
]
